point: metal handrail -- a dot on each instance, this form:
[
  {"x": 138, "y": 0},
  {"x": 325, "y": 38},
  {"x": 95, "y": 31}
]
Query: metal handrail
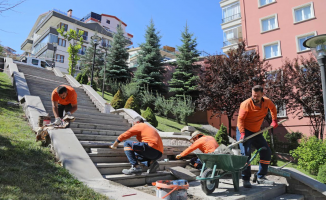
[
  {"x": 232, "y": 17},
  {"x": 232, "y": 41}
]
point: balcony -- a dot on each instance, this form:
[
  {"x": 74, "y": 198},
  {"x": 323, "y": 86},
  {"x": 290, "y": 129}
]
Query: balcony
[
  {"x": 232, "y": 41},
  {"x": 231, "y": 18}
]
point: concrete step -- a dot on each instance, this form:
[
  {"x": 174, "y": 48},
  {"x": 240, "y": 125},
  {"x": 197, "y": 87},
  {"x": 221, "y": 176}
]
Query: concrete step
[
  {"x": 97, "y": 117},
  {"x": 115, "y": 131},
  {"x": 90, "y": 110},
  {"x": 107, "y": 126},
  {"x": 80, "y": 101},
  {"x": 48, "y": 93},
  {"x": 289, "y": 197},
  {"x": 136, "y": 180},
  {"x": 116, "y": 168},
  {"x": 89, "y": 137},
  {"x": 80, "y": 106}
]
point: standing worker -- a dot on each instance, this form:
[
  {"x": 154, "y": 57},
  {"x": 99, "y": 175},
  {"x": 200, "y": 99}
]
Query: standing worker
[
  {"x": 64, "y": 98},
  {"x": 251, "y": 116},
  {"x": 207, "y": 144},
  {"x": 147, "y": 150}
]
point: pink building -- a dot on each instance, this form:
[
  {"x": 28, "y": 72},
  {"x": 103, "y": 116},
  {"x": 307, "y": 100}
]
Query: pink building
[{"x": 276, "y": 29}]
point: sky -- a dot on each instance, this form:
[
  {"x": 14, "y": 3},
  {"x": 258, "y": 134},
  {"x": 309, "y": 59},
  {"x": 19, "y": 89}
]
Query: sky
[{"x": 169, "y": 16}]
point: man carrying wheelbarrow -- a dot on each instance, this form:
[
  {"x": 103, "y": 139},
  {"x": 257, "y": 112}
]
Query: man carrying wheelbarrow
[
  {"x": 251, "y": 116},
  {"x": 207, "y": 144}
]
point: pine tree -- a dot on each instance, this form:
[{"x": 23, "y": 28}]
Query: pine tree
[
  {"x": 86, "y": 62},
  {"x": 133, "y": 104},
  {"x": 222, "y": 136},
  {"x": 184, "y": 79},
  {"x": 116, "y": 65},
  {"x": 117, "y": 101},
  {"x": 150, "y": 117},
  {"x": 150, "y": 70}
]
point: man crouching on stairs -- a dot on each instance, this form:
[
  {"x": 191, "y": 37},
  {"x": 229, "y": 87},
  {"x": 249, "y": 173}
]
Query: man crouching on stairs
[
  {"x": 64, "y": 98},
  {"x": 147, "y": 150}
]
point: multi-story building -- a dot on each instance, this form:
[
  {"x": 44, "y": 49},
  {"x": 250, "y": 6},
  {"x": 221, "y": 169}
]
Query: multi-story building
[
  {"x": 275, "y": 29},
  {"x": 43, "y": 36},
  {"x": 168, "y": 53}
]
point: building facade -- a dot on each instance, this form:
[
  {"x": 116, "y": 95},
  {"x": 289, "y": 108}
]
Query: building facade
[
  {"x": 275, "y": 29},
  {"x": 43, "y": 37}
]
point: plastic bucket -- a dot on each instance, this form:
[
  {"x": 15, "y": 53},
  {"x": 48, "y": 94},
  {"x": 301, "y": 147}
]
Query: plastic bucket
[{"x": 171, "y": 189}]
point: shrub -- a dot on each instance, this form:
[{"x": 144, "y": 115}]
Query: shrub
[
  {"x": 222, "y": 136},
  {"x": 293, "y": 139},
  {"x": 310, "y": 154},
  {"x": 78, "y": 77},
  {"x": 132, "y": 103},
  {"x": 114, "y": 86},
  {"x": 168, "y": 105},
  {"x": 267, "y": 137},
  {"x": 117, "y": 101},
  {"x": 159, "y": 104},
  {"x": 148, "y": 99},
  {"x": 130, "y": 89},
  {"x": 83, "y": 79},
  {"x": 94, "y": 85},
  {"x": 322, "y": 174},
  {"x": 150, "y": 117},
  {"x": 186, "y": 107}
]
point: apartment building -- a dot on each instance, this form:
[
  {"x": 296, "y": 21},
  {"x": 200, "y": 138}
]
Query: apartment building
[
  {"x": 43, "y": 37},
  {"x": 276, "y": 29}
]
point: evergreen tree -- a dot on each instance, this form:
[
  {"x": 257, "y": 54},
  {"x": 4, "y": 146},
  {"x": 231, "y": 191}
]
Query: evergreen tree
[
  {"x": 150, "y": 70},
  {"x": 133, "y": 104},
  {"x": 150, "y": 117},
  {"x": 118, "y": 100},
  {"x": 86, "y": 62},
  {"x": 222, "y": 136},
  {"x": 184, "y": 79},
  {"x": 116, "y": 65}
]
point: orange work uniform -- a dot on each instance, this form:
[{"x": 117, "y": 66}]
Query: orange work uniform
[
  {"x": 251, "y": 117},
  {"x": 207, "y": 144},
  {"x": 71, "y": 97},
  {"x": 144, "y": 133}
]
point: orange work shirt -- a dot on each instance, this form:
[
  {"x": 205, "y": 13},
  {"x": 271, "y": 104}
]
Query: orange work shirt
[
  {"x": 144, "y": 133},
  {"x": 207, "y": 144},
  {"x": 70, "y": 98},
  {"x": 251, "y": 117}
]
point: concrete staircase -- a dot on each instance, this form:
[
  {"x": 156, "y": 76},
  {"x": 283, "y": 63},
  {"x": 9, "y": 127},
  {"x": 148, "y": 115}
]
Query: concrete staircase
[{"x": 96, "y": 131}]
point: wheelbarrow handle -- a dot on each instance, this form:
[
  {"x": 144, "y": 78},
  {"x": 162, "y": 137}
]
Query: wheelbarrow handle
[
  {"x": 253, "y": 135},
  {"x": 253, "y": 157}
]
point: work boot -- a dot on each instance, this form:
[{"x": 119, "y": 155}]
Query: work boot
[
  {"x": 265, "y": 181},
  {"x": 153, "y": 167},
  {"x": 246, "y": 184},
  {"x": 133, "y": 170}
]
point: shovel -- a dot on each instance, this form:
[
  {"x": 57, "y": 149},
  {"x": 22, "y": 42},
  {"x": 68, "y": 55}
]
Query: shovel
[{"x": 223, "y": 148}]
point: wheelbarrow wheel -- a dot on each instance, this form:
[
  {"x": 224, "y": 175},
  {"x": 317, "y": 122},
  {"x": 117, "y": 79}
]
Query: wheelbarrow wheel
[{"x": 208, "y": 186}]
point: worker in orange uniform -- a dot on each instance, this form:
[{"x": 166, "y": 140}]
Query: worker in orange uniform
[
  {"x": 207, "y": 144},
  {"x": 147, "y": 151},
  {"x": 251, "y": 116},
  {"x": 64, "y": 98}
]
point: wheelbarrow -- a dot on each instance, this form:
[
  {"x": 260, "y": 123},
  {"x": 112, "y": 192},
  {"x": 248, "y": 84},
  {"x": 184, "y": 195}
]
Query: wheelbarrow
[{"x": 215, "y": 166}]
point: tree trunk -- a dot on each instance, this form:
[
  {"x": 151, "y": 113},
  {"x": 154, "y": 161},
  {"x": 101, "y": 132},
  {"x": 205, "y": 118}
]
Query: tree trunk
[{"x": 229, "y": 118}]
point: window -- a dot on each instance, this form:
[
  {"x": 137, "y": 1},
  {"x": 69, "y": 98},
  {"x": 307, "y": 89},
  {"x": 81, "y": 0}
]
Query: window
[
  {"x": 273, "y": 78},
  {"x": 272, "y": 50},
  {"x": 61, "y": 42},
  {"x": 303, "y": 12},
  {"x": 232, "y": 36},
  {"x": 34, "y": 62},
  {"x": 44, "y": 64},
  {"x": 268, "y": 23},
  {"x": 281, "y": 110},
  {"x": 85, "y": 35},
  {"x": 231, "y": 12},
  {"x": 82, "y": 51},
  {"x": 63, "y": 25},
  {"x": 310, "y": 106},
  {"x": 108, "y": 21},
  {"x": 265, "y": 2},
  {"x": 118, "y": 25},
  {"x": 60, "y": 58},
  {"x": 106, "y": 42},
  {"x": 301, "y": 38}
]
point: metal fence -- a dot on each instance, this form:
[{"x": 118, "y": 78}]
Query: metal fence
[{"x": 232, "y": 17}]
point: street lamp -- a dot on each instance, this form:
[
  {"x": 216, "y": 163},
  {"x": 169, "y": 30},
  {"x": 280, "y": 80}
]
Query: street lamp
[
  {"x": 54, "y": 50},
  {"x": 318, "y": 48},
  {"x": 106, "y": 53},
  {"x": 96, "y": 40}
]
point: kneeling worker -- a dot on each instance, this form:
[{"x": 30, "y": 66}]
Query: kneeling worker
[
  {"x": 207, "y": 144},
  {"x": 64, "y": 98},
  {"x": 147, "y": 150}
]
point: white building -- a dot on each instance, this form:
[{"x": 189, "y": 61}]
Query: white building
[
  {"x": 43, "y": 35},
  {"x": 231, "y": 24}
]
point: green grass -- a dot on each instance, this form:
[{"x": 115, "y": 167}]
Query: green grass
[
  {"x": 28, "y": 170},
  {"x": 107, "y": 96},
  {"x": 295, "y": 166}
]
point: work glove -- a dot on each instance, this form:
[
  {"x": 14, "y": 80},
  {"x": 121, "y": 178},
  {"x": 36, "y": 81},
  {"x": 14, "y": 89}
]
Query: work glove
[
  {"x": 274, "y": 124},
  {"x": 178, "y": 156},
  {"x": 68, "y": 113},
  {"x": 242, "y": 136},
  {"x": 57, "y": 121}
]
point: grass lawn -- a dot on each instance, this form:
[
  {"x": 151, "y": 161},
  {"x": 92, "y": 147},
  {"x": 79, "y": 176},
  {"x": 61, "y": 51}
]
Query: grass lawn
[
  {"x": 107, "y": 96},
  {"x": 295, "y": 166},
  {"x": 27, "y": 170}
]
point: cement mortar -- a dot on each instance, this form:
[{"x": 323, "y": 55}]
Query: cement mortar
[{"x": 176, "y": 142}]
